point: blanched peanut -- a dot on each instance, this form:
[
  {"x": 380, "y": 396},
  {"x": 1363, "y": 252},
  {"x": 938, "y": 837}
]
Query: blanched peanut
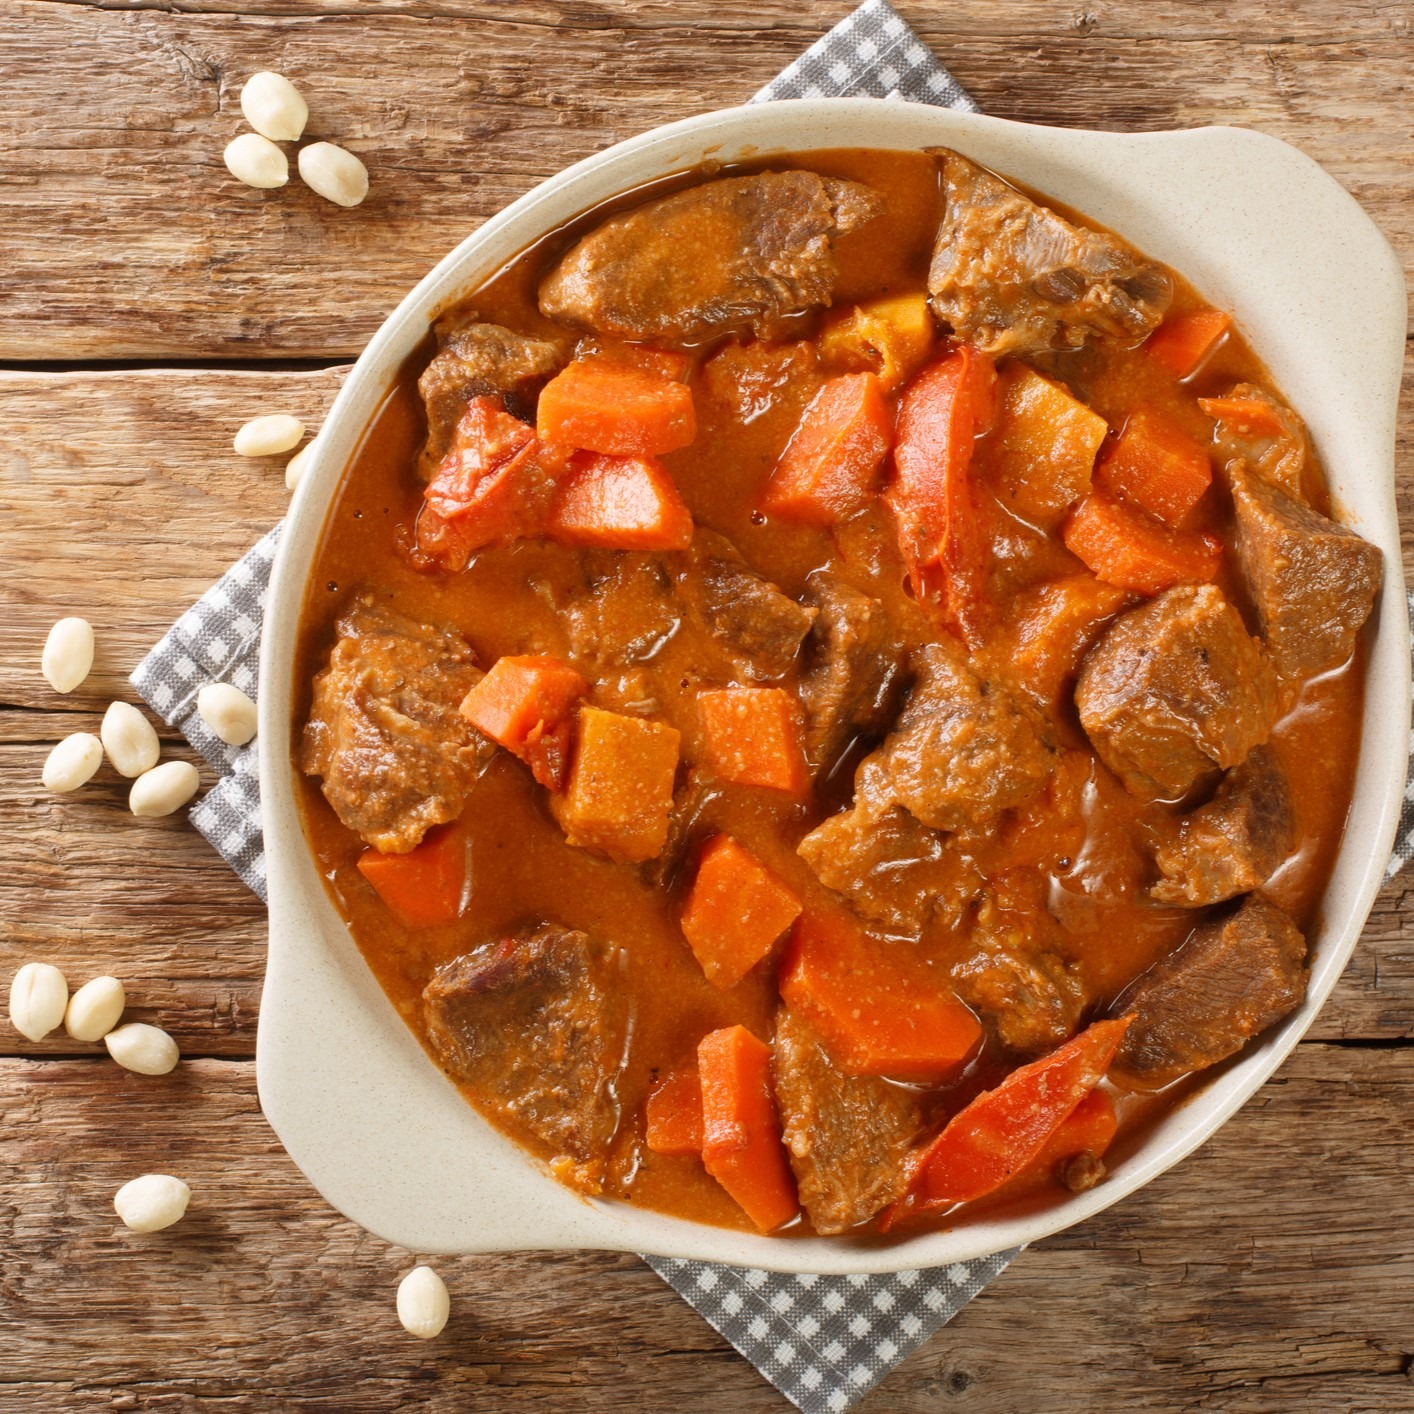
[
  {"x": 95, "y": 1008},
  {"x": 296, "y": 467},
  {"x": 38, "y": 996},
  {"x": 423, "y": 1303},
  {"x": 68, "y": 654},
  {"x": 143, "y": 1049},
  {"x": 256, "y": 161},
  {"x": 228, "y": 712},
  {"x": 270, "y": 435},
  {"x": 72, "y": 762},
  {"x": 335, "y": 173},
  {"x": 163, "y": 789},
  {"x": 273, "y": 106},
  {"x": 152, "y": 1202},
  {"x": 129, "y": 739}
]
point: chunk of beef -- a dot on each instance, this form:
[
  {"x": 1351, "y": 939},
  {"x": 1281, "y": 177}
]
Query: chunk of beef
[
  {"x": 892, "y": 871},
  {"x": 1255, "y": 427},
  {"x": 1230, "y": 980},
  {"x": 1314, "y": 582},
  {"x": 730, "y": 254},
  {"x": 851, "y": 669},
  {"x": 534, "y": 1024},
  {"x": 690, "y": 801},
  {"x": 1176, "y": 689},
  {"x": 760, "y": 626},
  {"x": 475, "y": 359},
  {"x": 965, "y": 748},
  {"x": 1235, "y": 843},
  {"x": 384, "y": 732},
  {"x": 1013, "y": 277},
  {"x": 847, "y": 1135},
  {"x": 622, "y": 612},
  {"x": 757, "y": 380}
]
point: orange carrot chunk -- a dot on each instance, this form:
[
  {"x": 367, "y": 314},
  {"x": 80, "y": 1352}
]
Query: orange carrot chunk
[
  {"x": 880, "y": 1018},
  {"x": 604, "y": 405},
  {"x": 527, "y": 706},
  {"x": 1252, "y": 417},
  {"x": 666, "y": 363},
  {"x": 1184, "y": 343},
  {"x": 751, "y": 736},
  {"x": 619, "y": 503},
  {"x": 1052, "y": 626},
  {"x": 735, "y": 910},
  {"x": 424, "y": 887},
  {"x": 935, "y": 510},
  {"x": 741, "y": 1135},
  {"x": 1158, "y": 467},
  {"x": 674, "y": 1114},
  {"x": 830, "y": 467},
  {"x": 1125, "y": 547}
]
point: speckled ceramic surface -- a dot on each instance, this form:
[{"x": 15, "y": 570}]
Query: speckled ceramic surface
[{"x": 1261, "y": 231}]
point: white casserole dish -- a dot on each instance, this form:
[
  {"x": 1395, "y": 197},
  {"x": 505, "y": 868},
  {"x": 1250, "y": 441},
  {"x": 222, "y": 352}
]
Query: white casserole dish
[{"x": 1261, "y": 231}]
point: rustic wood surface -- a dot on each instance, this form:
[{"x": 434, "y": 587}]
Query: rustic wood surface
[{"x": 148, "y": 306}]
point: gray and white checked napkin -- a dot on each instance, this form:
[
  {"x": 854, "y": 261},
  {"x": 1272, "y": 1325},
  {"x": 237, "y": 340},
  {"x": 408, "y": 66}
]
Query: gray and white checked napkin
[{"x": 823, "y": 1341}]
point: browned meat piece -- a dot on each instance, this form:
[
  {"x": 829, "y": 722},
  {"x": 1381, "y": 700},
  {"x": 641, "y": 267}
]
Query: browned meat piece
[
  {"x": 761, "y": 381},
  {"x": 847, "y": 1135},
  {"x": 475, "y": 359},
  {"x": 851, "y": 669},
  {"x": 534, "y": 1024},
  {"x": 891, "y": 870},
  {"x": 1017, "y": 979},
  {"x": 964, "y": 749},
  {"x": 1314, "y": 582},
  {"x": 730, "y": 254},
  {"x": 1235, "y": 843},
  {"x": 691, "y": 799},
  {"x": 622, "y": 612},
  {"x": 758, "y": 625},
  {"x": 1255, "y": 427},
  {"x": 1012, "y": 277},
  {"x": 1230, "y": 980},
  {"x": 384, "y": 732},
  {"x": 1176, "y": 689}
]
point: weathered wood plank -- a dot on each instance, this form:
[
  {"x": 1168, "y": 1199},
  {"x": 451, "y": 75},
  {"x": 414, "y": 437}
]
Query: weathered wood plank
[
  {"x": 1234, "y": 1283},
  {"x": 459, "y": 108}
]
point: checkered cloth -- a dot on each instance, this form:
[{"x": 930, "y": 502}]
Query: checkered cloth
[{"x": 823, "y": 1341}]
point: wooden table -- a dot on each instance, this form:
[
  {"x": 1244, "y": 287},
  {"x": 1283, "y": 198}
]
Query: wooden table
[{"x": 148, "y": 306}]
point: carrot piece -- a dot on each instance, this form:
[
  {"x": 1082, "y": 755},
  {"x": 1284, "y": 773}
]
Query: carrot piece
[
  {"x": 1158, "y": 467},
  {"x": 606, "y": 406},
  {"x": 674, "y": 1114},
  {"x": 1003, "y": 1131},
  {"x": 741, "y": 1134},
  {"x": 619, "y": 503},
  {"x": 1051, "y": 628},
  {"x": 935, "y": 510},
  {"x": 526, "y": 705},
  {"x": 879, "y": 1019},
  {"x": 751, "y": 736},
  {"x": 1125, "y": 547},
  {"x": 426, "y": 886},
  {"x": 1184, "y": 343},
  {"x": 666, "y": 363},
  {"x": 830, "y": 467},
  {"x": 735, "y": 910},
  {"x": 1250, "y": 416}
]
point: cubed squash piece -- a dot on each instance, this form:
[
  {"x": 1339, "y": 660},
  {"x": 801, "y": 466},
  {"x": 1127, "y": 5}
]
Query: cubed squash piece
[
  {"x": 736, "y": 909},
  {"x": 891, "y": 336},
  {"x": 1042, "y": 448},
  {"x": 751, "y": 736},
  {"x": 620, "y": 786}
]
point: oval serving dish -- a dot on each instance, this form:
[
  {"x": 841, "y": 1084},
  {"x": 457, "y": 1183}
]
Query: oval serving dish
[{"x": 1261, "y": 231}]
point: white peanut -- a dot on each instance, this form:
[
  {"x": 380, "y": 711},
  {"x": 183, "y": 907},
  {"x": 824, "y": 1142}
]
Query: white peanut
[
  {"x": 228, "y": 712},
  {"x": 129, "y": 739},
  {"x": 143, "y": 1049},
  {"x": 334, "y": 172},
  {"x": 270, "y": 435},
  {"x": 152, "y": 1202},
  {"x": 72, "y": 762},
  {"x": 256, "y": 161},
  {"x": 296, "y": 466},
  {"x": 163, "y": 789},
  {"x": 273, "y": 106},
  {"x": 38, "y": 996},
  {"x": 94, "y": 1009},
  {"x": 423, "y": 1303},
  {"x": 68, "y": 654}
]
